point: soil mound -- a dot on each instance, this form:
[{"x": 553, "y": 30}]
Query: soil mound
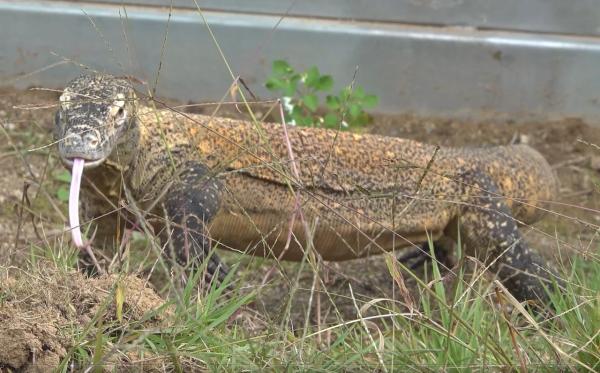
[{"x": 44, "y": 313}]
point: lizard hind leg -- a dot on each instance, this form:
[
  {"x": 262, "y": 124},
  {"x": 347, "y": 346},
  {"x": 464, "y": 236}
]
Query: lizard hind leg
[
  {"x": 190, "y": 204},
  {"x": 490, "y": 233}
]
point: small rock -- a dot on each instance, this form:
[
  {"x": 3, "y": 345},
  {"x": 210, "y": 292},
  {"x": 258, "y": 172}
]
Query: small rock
[
  {"x": 524, "y": 139},
  {"x": 9, "y": 126},
  {"x": 16, "y": 194}
]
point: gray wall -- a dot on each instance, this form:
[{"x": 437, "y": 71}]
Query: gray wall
[
  {"x": 560, "y": 16},
  {"x": 434, "y": 57}
]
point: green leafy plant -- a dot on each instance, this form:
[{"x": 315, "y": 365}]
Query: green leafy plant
[
  {"x": 301, "y": 101},
  {"x": 64, "y": 178}
]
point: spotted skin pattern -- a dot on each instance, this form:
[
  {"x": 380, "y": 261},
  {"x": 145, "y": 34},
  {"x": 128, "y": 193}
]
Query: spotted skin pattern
[
  {"x": 231, "y": 182},
  {"x": 191, "y": 204},
  {"x": 490, "y": 233}
]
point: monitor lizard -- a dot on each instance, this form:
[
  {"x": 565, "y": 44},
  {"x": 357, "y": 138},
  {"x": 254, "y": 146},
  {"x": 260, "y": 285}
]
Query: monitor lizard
[{"x": 233, "y": 182}]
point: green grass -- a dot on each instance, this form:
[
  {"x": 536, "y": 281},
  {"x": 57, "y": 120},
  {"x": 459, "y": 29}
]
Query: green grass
[
  {"x": 456, "y": 328},
  {"x": 578, "y": 311}
]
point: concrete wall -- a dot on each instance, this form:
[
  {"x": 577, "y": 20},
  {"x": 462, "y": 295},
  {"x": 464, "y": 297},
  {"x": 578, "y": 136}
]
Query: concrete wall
[{"x": 432, "y": 57}]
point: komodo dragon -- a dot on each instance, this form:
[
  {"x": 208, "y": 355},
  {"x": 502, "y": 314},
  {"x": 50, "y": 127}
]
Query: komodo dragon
[{"x": 231, "y": 181}]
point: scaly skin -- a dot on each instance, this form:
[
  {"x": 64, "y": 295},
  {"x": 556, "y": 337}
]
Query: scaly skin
[{"x": 232, "y": 181}]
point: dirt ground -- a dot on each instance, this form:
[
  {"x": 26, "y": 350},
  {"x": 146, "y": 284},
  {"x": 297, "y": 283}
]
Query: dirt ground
[{"x": 26, "y": 117}]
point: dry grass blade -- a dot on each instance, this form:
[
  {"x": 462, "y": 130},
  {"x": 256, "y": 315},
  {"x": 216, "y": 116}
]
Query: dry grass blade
[
  {"x": 513, "y": 334},
  {"x": 392, "y": 265},
  {"x": 376, "y": 348},
  {"x": 519, "y": 307}
]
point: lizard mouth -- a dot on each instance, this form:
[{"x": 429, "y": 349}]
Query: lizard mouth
[{"x": 89, "y": 163}]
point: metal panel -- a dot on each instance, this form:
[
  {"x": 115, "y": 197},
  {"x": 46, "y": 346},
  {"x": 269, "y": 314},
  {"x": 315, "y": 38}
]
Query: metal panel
[
  {"x": 557, "y": 16},
  {"x": 430, "y": 71}
]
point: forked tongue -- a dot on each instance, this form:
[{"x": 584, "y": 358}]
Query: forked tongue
[{"x": 74, "y": 201}]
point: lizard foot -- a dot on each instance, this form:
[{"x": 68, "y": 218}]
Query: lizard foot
[{"x": 416, "y": 258}]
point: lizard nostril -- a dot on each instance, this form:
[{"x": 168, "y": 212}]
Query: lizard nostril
[{"x": 91, "y": 141}]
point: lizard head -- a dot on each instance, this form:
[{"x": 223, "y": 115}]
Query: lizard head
[{"x": 96, "y": 113}]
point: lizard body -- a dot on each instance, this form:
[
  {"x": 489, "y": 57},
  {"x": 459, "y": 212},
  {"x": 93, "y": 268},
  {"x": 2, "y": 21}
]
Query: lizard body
[{"x": 233, "y": 182}]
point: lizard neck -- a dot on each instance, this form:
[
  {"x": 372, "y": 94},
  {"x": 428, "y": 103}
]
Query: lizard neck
[
  {"x": 127, "y": 148},
  {"x": 143, "y": 145},
  {"x": 123, "y": 159}
]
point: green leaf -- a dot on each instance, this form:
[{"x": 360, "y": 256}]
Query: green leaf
[
  {"x": 311, "y": 101},
  {"x": 274, "y": 84},
  {"x": 331, "y": 120},
  {"x": 346, "y": 93},
  {"x": 358, "y": 92},
  {"x": 297, "y": 118},
  {"x": 333, "y": 102},
  {"x": 295, "y": 78},
  {"x": 63, "y": 175},
  {"x": 289, "y": 88},
  {"x": 370, "y": 101},
  {"x": 62, "y": 194},
  {"x": 311, "y": 77},
  {"x": 354, "y": 110},
  {"x": 325, "y": 83},
  {"x": 305, "y": 121},
  {"x": 281, "y": 67},
  {"x": 297, "y": 111}
]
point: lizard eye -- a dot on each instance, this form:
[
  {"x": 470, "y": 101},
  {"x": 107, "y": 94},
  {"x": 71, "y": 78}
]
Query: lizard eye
[
  {"x": 118, "y": 110},
  {"x": 120, "y": 117}
]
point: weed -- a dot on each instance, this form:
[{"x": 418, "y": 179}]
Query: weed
[
  {"x": 63, "y": 177},
  {"x": 301, "y": 101}
]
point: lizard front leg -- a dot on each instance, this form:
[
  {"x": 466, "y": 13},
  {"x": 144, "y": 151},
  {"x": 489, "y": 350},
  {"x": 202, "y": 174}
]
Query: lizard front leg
[{"x": 191, "y": 203}]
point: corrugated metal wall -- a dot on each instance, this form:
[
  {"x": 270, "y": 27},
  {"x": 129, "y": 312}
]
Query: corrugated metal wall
[{"x": 434, "y": 57}]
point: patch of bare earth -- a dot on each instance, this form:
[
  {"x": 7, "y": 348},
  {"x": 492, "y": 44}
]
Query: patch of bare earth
[
  {"x": 26, "y": 119},
  {"x": 44, "y": 313}
]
